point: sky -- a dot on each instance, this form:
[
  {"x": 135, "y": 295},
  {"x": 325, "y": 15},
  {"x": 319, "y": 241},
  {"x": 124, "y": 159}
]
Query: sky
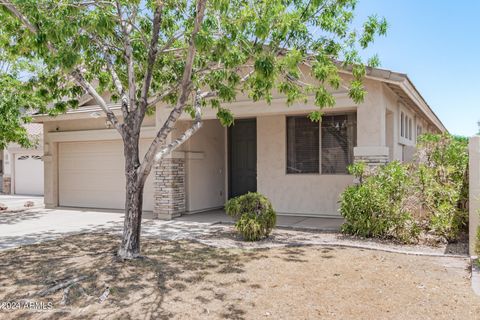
[{"x": 437, "y": 44}]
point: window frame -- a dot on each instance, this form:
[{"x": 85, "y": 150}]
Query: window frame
[
  {"x": 402, "y": 124},
  {"x": 410, "y": 131},
  {"x": 320, "y": 173},
  {"x": 407, "y": 123}
]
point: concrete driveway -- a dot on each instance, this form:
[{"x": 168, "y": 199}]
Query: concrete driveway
[
  {"x": 17, "y": 202},
  {"x": 37, "y": 225}
]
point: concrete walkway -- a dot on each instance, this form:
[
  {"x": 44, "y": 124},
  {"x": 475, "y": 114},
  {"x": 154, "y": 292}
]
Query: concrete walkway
[{"x": 291, "y": 222}]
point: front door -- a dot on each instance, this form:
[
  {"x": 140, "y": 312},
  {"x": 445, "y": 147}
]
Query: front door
[{"x": 242, "y": 149}]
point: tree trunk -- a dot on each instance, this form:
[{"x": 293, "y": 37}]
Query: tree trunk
[{"x": 130, "y": 246}]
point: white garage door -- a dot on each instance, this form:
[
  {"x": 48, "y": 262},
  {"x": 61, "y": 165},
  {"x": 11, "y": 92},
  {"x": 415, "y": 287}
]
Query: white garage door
[
  {"x": 91, "y": 174},
  {"x": 28, "y": 174}
]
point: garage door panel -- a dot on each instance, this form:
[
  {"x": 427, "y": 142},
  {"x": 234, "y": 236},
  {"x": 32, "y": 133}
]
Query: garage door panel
[
  {"x": 92, "y": 167},
  {"x": 84, "y": 178},
  {"x": 90, "y": 159},
  {"x": 110, "y": 200},
  {"x": 91, "y": 174},
  {"x": 86, "y": 163},
  {"x": 92, "y": 147}
]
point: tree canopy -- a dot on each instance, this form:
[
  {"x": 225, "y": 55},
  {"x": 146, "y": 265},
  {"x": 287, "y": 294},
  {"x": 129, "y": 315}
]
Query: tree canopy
[
  {"x": 185, "y": 54},
  {"x": 250, "y": 46}
]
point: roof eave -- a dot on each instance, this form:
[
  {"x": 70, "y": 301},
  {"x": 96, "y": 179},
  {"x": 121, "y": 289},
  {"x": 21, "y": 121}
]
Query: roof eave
[{"x": 402, "y": 80}]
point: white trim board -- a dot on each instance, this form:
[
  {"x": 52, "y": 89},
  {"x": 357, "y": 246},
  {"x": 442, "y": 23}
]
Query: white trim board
[{"x": 95, "y": 135}]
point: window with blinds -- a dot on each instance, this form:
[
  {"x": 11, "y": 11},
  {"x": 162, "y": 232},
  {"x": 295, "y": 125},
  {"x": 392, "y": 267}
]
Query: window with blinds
[
  {"x": 303, "y": 147},
  {"x": 339, "y": 136}
]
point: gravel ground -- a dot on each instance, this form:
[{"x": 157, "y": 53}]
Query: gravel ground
[{"x": 213, "y": 278}]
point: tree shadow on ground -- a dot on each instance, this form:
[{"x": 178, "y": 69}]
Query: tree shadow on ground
[
  {"x": 16, "y": 216},
  {"x": 136, "y": 288}
]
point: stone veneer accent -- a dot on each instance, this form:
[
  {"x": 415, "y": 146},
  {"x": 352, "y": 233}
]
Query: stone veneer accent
[
  {"x": 7, "y": 185},
  {"x": 169, "y": 185},
  {"x": 373, "y": 163},
  {"x": 373, "y": 160}
]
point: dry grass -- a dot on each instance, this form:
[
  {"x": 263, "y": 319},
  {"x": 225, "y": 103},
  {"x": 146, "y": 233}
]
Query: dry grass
[{"x": 187, "y": 280}]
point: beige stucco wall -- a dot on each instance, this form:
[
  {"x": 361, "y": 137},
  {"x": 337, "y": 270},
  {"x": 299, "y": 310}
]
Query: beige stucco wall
[
  {"x": 393, "y": 124},
  {"x": 371, "y": 117},
  {"x": 309, "y": 194},
  {"x": 205, "y": 157}
]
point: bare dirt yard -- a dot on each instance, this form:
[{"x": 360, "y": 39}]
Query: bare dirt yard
[{"x": 190, "y": 280}]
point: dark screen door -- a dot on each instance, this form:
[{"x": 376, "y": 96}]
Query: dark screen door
[{"x": 242, "y": 148}]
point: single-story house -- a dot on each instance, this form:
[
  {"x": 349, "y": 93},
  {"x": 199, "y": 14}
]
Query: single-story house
[
  {"x": 272, "y": 148},
  {"x": 21, "y": 170}
]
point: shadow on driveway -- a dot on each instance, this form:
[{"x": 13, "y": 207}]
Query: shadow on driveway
[{"x": 37, "y": 225}]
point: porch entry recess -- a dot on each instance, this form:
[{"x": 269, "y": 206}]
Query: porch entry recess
[{"x": 242, "y": 157}]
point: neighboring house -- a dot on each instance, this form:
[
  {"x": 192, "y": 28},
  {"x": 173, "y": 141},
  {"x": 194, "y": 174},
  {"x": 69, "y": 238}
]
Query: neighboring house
[
  {"x": 274, "y": 149},
  {"x": 22, "y": 169}
]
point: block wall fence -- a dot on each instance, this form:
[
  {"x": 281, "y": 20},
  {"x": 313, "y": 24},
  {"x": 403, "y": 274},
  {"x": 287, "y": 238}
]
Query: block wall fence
[{"x": 474, "y": 191}]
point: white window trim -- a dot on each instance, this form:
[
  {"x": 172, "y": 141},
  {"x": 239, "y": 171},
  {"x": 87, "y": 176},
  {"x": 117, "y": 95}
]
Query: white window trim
[{"x": 409, "y": 133}]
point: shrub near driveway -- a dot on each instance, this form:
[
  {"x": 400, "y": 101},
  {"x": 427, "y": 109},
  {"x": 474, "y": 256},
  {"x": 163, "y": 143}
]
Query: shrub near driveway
[
  {"x": 405, "y": 200},
  {"x": 254, "y": 215}
]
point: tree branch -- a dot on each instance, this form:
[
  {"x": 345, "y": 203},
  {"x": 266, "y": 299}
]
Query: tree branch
[
  {"x": 118, "y": 86},
  {"x": 116, "y": 80},
  {"x": 33, "y": 29},
  {"x": 170, "y": 41},
  {"x": 185, "y": 90},
  {"x": 162, "y": 96},
  {"x": 77, "y": 75},
  {"x": 13, "y": 10},
  {"x": 152, "y": 56},
  {"x": 197, "y": 124},
  {"x": 129, "y": 55}
]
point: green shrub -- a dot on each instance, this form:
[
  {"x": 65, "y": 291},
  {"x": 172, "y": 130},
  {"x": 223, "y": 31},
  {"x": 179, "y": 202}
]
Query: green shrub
[
  {"x": 254, "y": 215},
  {"x": 442, "y": 177},
  {"x": 376, "y": 207},
  {"x": 403, "y": 200}
]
